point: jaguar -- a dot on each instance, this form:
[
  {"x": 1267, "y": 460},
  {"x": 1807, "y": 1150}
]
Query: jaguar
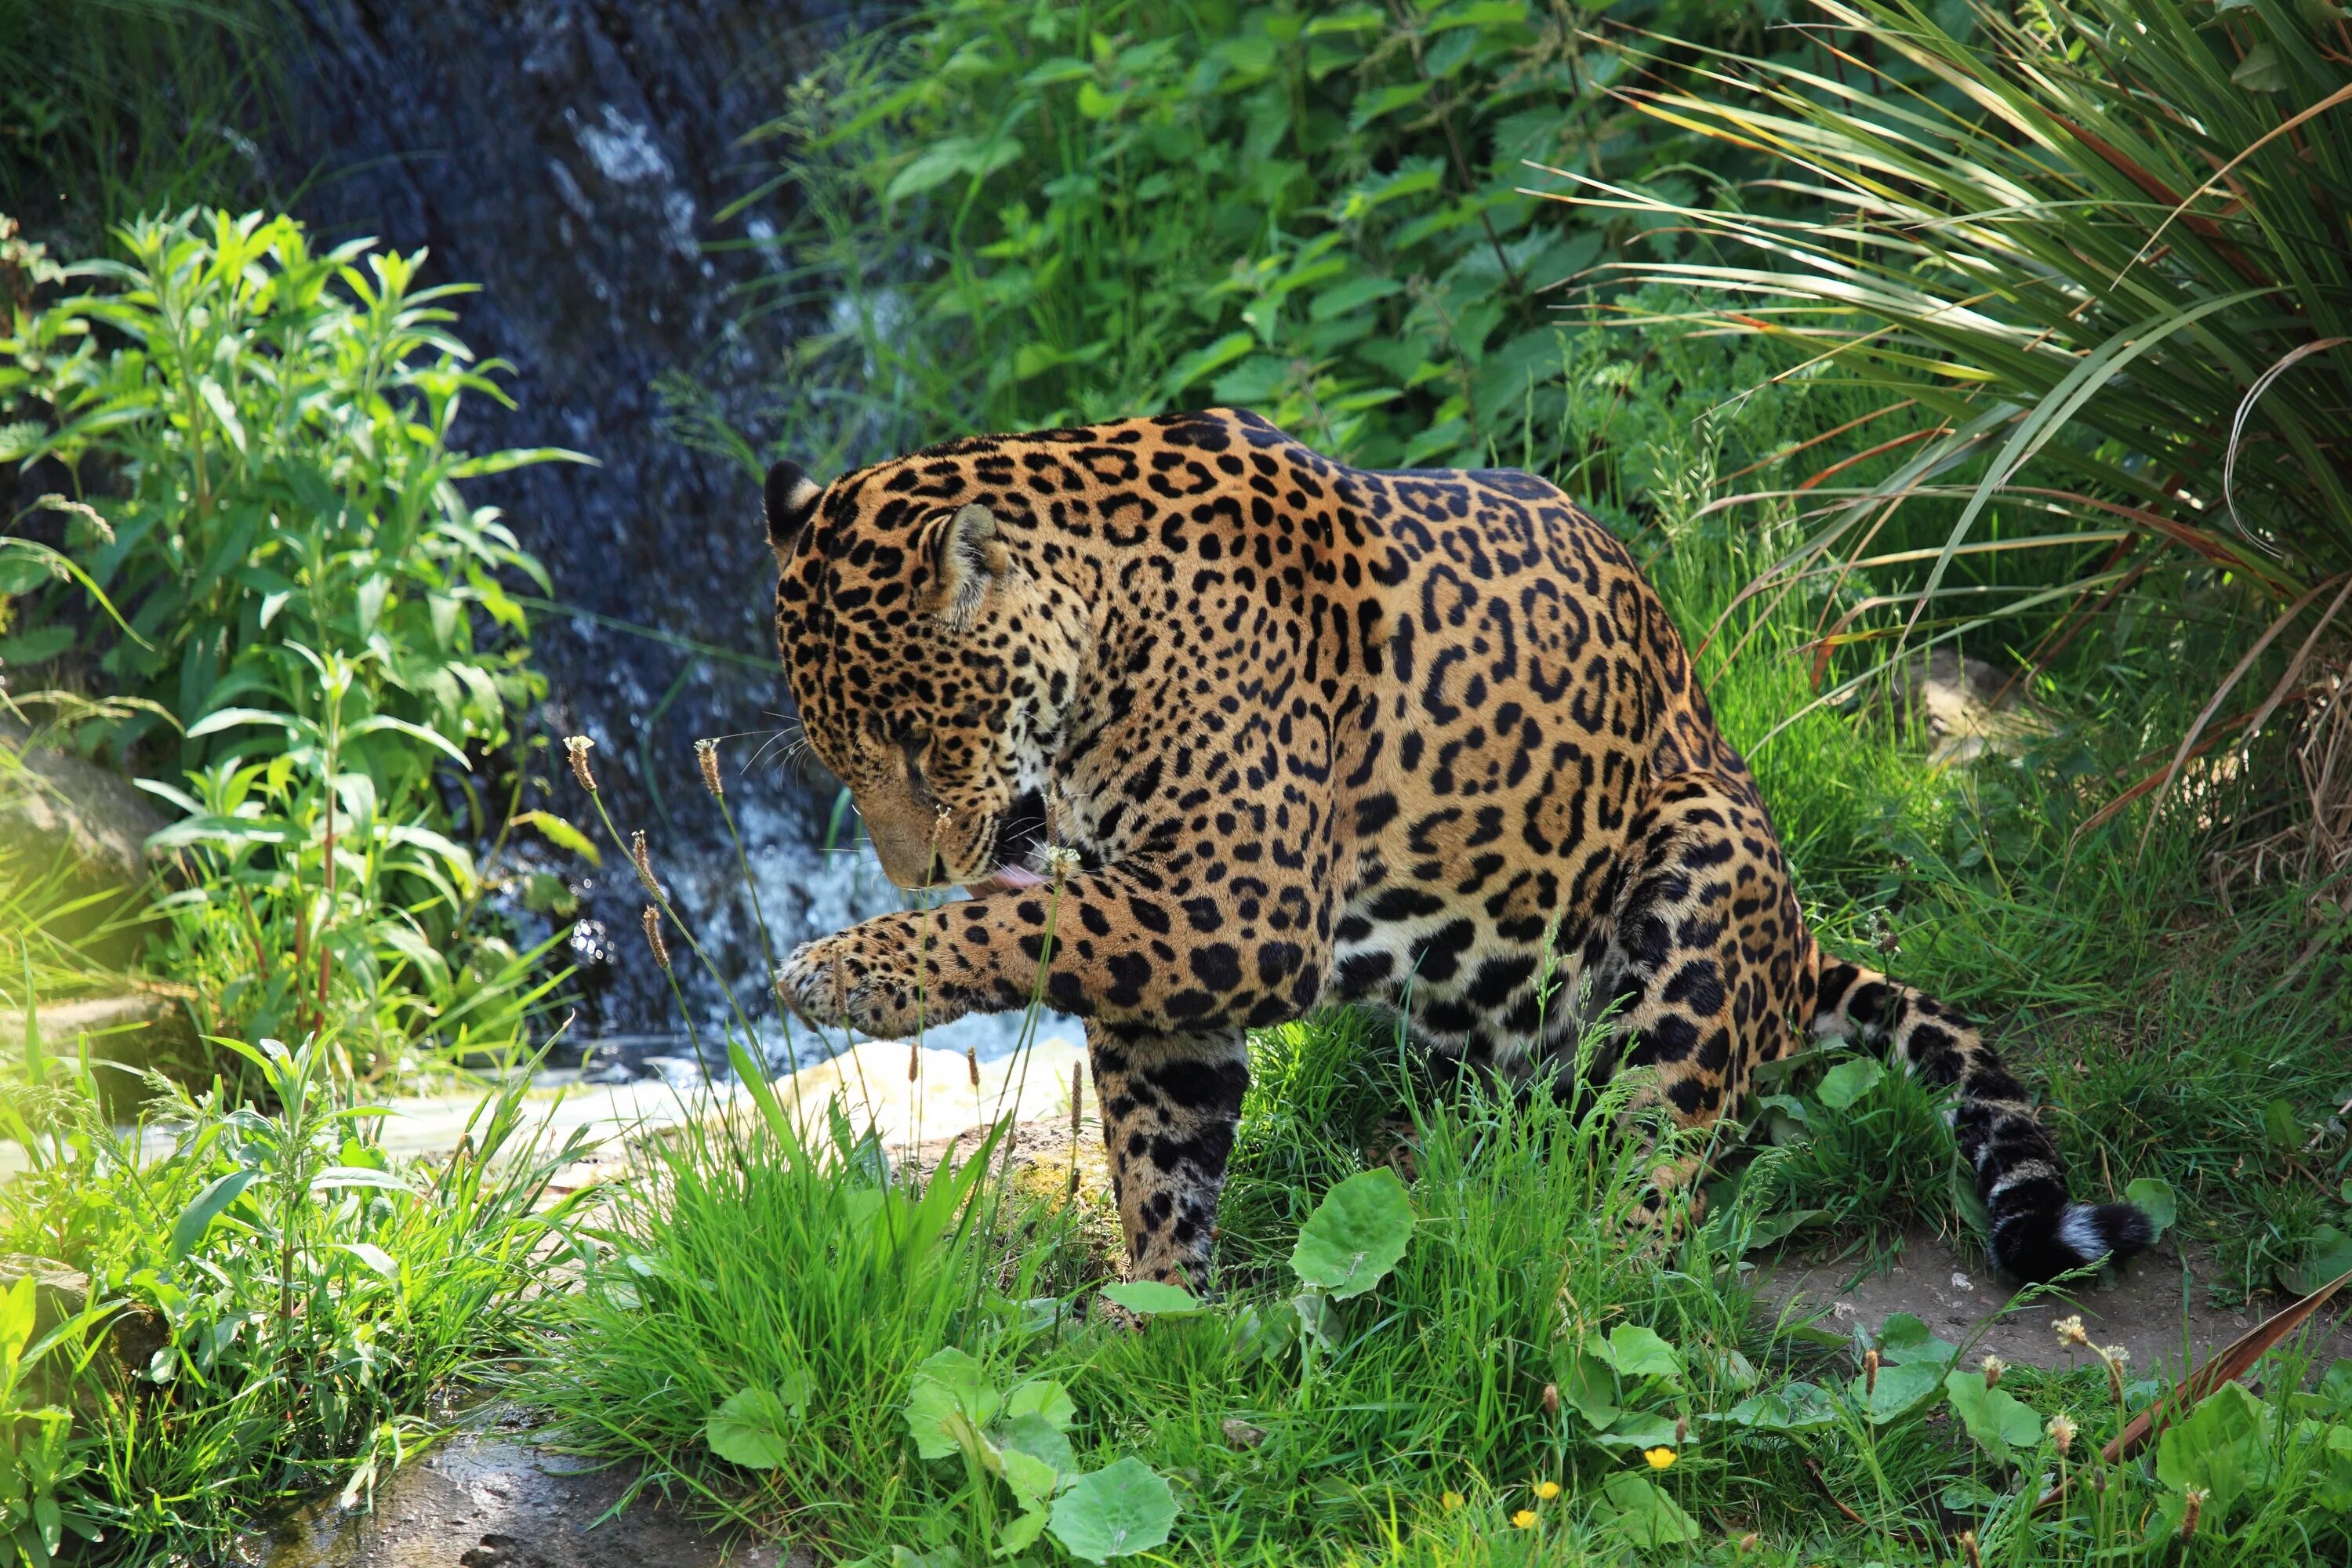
[{"x": 1215, "y": 731}]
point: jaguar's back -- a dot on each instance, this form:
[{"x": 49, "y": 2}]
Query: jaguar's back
[{"x": 1308, "y": 733}]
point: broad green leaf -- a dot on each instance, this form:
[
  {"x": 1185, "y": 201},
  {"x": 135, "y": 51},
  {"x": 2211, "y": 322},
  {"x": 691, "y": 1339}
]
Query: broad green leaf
[
  {"x": 1021, "y": 1534},
  {"x": 18, "y": 1312},
  {"x": 1206, "y": 360},
  {"x": 1387, "y": 101},
  {"x": 375, "y": 1256},
  {"x": 1587, "y": 1387},
  {"x": 1636, "y": 1352},
  {"x": 560, "y": 834},
  {"x": 1903, "y": 1337},
  {"x": 2001, "y": 1424},
  {"x": 206, "y": 1207},
  {"x": 1640, "y": 1508},
  {"x": 1849, "y": 1081},
  {"x": 1043, "y": 1398},
  {"x": 1899, "y": 1390},
  {"x": 937, "y": 164},
  {"x": 1355, "y": 1234},
  {"x": 951, "y": 1383},
  {"x": 2222, "y": 1447},
  {"x": 230, "y": 718},
  {"x": 2327, "y": 1258},
  {"x": 1151, "y": 1298},
  {"x": 1121, "y": 1511},
  {"x": 1792, "y": 1407},
  {"x": 2152, "y": 1196},
  {"x": 1033, "y": 1480},
  {"x": 2261, "y": 70},
  {"x": 1638, "y": 1431},
  {"x": 752, "y": 1428}
]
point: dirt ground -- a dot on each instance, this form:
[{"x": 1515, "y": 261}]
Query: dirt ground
[
  {"x": 2159, "y": 1309},
  {"x": 487, "y": 1498}
]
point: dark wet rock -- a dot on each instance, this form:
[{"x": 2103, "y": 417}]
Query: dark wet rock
[
  {"x": 571, "y": 157},
  {"x": 489, "y": 1500}
]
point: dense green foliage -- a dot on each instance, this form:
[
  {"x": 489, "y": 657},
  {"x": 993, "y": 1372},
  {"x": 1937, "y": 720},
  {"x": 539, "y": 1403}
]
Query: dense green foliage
[
  {"x": 113, "y": 109},
  {"x": 1023, "y": 215},
  {"x": 302, "y": 615}
]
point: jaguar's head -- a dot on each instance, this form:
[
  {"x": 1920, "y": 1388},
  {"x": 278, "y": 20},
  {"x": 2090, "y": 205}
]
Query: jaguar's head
[{"x": 932, "y": 661}]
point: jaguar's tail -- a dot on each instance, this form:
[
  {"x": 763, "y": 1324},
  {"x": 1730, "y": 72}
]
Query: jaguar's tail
[{"x": 2037, "y": 1232}]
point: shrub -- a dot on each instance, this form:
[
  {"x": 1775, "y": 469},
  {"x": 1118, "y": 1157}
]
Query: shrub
[
  {"x": 267, "y": 507},
  {"x": 1316, "y": 212}
]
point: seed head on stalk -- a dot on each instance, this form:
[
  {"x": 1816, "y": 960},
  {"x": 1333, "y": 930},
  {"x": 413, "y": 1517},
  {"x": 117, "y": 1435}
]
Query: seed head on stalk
[
  {"x": 706, "y": 757},
  {"x": 576, "y": 749},
  {"x": 652, "y": 922},
  {"x": 644, "y": 861}
]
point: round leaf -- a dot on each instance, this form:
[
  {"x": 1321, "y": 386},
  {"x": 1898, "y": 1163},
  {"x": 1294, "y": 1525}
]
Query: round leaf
[
  {"x": 1118, "y": 1511},
  {"x": 749, "y": 1429},
  {"x": 1355, "y": 1235},
  {"x": 2153, "y": 1198}
]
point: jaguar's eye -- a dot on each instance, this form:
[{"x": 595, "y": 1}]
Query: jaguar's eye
[{"x": 911, "y": 745}]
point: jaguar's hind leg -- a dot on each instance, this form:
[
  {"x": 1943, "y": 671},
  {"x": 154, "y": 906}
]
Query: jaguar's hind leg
[
  {"x": 1170, "y": 1104},
  {"x": 1702, "y": 960}
]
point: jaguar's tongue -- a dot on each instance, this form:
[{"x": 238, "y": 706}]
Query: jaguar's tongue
[{"x": 1004, "y": 880}]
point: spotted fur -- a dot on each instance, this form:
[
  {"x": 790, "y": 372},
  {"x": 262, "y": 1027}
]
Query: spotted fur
[{"x": 1315, "y": 735}]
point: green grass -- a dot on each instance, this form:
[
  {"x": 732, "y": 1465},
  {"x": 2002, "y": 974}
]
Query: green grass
[
  {"x": 271, "y": 1303},
  {"x": 753, "y": 1262}
]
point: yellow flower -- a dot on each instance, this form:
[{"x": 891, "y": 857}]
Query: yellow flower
[
  {"x": 1525, "y": 1519},
  {"x": 1452, "y": 1501},
  {"x": 1660, "y": 1458},
  {"x": 1547, "y": 1490}
]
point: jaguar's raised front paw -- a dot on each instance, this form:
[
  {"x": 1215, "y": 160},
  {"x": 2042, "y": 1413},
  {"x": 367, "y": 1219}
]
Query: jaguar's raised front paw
[{"x": 849, "y": 981}]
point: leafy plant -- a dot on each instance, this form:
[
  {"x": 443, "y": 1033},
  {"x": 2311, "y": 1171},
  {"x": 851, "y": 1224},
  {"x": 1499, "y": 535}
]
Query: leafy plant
[
  {"x": 1316, "y": 212},
  {"x": 268, "y": 513},
  {"x": 40, "y": 1464},
  {"x": 292, "y": 1295}
]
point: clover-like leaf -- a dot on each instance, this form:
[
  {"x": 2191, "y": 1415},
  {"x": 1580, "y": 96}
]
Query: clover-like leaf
[
  {"x": 1118, "y": 1511},
  {"x": 1355, "y": 1234}
]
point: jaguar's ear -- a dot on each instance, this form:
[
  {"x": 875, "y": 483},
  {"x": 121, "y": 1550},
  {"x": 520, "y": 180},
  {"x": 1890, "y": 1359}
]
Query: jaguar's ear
[
  {"x": 964, "y": 557},
  {"x": 790, "y": 495}
]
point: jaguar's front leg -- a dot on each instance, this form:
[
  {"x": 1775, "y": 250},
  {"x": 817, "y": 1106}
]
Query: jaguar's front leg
[
  {"x": 1170, "y": 1104},
  {"x": 1101, "y": 944}
]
